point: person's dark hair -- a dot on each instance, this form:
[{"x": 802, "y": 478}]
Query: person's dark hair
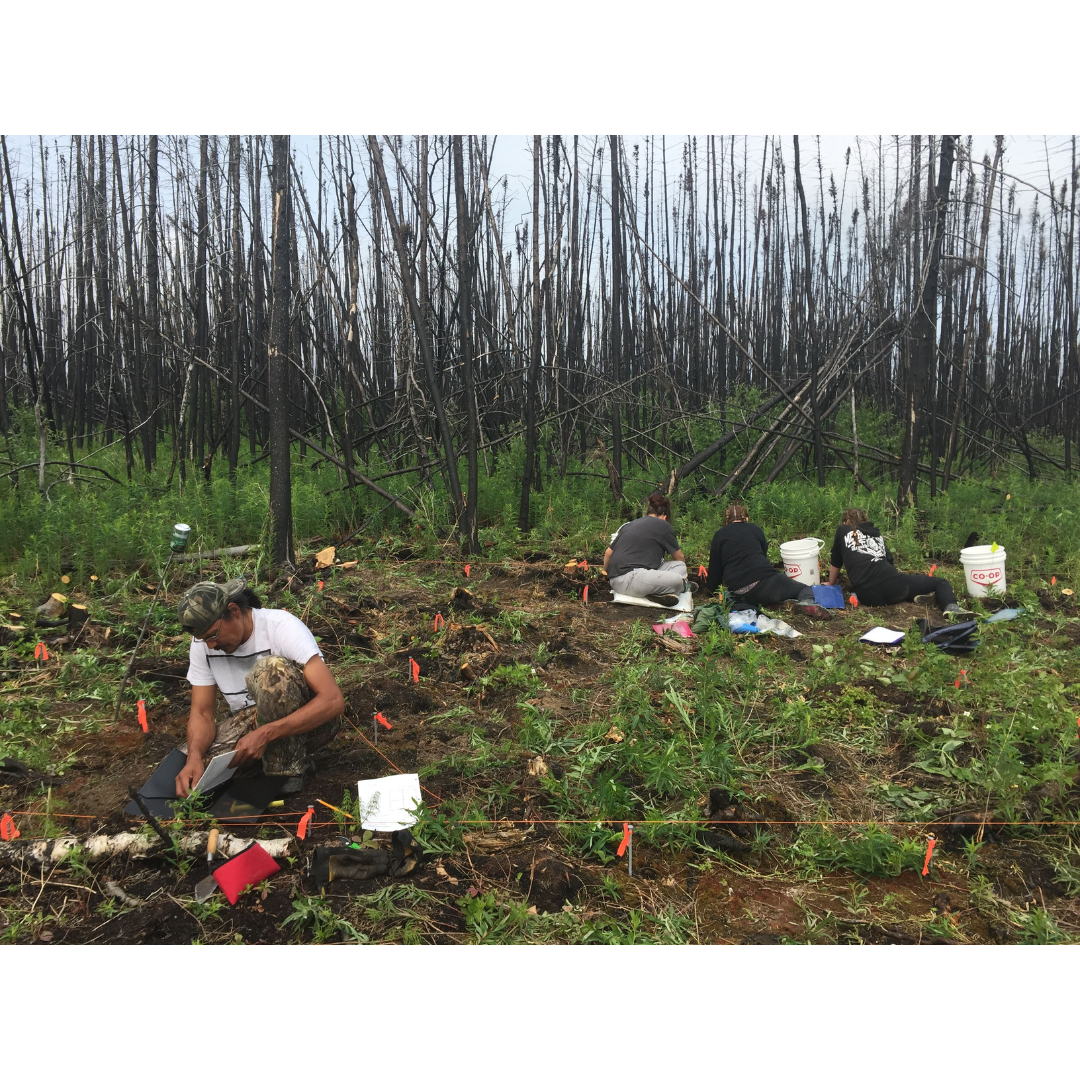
[
  {"x": 660, "y": 505},
  {"x": 736, "y": 512},
  {"x": 246, "y": 599},
  {"x": 853, "y": 516}
]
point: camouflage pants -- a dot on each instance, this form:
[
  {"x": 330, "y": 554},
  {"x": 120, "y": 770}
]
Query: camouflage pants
[{"x": 279, "y": 688}]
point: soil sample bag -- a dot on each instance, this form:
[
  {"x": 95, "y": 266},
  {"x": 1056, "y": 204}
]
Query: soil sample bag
[
  {"x": 743, "y": 622},
  {"x": 250, "y": 867}
]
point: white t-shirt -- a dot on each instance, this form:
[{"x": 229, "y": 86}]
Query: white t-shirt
[{"x": 274, "y": 633}]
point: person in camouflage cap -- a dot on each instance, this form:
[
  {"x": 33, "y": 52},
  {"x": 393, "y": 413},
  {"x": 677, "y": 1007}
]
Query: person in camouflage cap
[
  {"x": 206, "y": 602},
  {"x": 284, "y": 700}
]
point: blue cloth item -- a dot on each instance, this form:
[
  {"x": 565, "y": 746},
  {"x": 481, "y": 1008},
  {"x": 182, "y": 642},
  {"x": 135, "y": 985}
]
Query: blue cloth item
[
  {"x": 1005, "y": 614},
  {"x": 829, "y": 596}
]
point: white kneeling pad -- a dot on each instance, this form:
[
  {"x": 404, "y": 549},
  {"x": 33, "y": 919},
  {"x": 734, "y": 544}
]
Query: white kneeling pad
[{"x": 686, "y": 601}]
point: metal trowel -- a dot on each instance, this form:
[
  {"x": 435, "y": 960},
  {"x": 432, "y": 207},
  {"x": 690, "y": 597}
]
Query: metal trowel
[{"x": 205, "y": 888}]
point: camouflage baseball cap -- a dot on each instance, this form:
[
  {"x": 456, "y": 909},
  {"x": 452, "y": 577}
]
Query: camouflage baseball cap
[{"x": 206, "y": 602}]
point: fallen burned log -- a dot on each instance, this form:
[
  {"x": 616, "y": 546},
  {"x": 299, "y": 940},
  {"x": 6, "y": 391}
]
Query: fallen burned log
[
  {"x": 50, "y": 852},
  {"x": 195, "y": 556}
]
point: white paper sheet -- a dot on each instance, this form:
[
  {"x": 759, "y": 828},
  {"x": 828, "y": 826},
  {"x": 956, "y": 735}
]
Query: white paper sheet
[
  {"x": 881, "y": 635},
  {"x": 686, "y": 601},
  {"x": 217, "y": 772},
  {"x": 389, "y": 802}
]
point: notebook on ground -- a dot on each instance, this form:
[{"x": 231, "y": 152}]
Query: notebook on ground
[{"x": 881, "y": 635}]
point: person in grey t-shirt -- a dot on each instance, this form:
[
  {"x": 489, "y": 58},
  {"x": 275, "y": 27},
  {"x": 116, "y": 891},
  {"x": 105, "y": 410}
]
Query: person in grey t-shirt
[{"x": 636, "y": 563}]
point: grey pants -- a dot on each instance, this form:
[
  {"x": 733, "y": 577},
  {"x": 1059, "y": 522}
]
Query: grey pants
[
  {"x": 670, "y": 579},
  {"x": 279, "y": 688}
]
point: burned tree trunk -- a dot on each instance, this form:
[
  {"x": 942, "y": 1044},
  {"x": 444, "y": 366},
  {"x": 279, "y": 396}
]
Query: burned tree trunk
[
  {"x": 534, "y": 359},
  {"x": 468, "y": 522},
  {"x": 924, "y": 335},
  {"x": 153, "y": 313},
  {"x": 408, "y": 286},
  {"x": 811, "y": 327},
  {"x": 980, "y": 269},
  {"x": 280, "y": 476},
  {"x": 617, "y": 271},
  {"x": 235, "y": 293}
]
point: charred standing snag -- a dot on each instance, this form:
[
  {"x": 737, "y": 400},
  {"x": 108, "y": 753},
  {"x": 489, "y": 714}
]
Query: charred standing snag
[{"x": 695, "y": 311}]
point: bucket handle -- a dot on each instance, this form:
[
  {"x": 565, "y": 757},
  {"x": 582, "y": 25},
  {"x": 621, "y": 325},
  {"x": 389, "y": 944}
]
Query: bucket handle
[{"x": 820, "y": 543}]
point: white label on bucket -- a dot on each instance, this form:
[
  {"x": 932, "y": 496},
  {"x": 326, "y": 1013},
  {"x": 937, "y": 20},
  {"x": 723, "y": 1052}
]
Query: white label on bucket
[{"x": 986, "y": 577}]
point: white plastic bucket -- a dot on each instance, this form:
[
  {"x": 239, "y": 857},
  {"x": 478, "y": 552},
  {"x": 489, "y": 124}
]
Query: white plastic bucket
[
  {"x": 984, "y": 570},
  {"x": 801, "y": 559}
]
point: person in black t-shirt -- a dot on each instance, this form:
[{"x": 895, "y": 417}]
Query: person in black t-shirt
[
  {"x": 739, "y": 560},
  {"x": 859, "y": 548},
  {"x": 636, "y": 564}
]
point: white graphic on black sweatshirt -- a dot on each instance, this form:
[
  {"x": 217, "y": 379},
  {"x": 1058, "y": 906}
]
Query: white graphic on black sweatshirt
[{"x": 873, "y": 546}]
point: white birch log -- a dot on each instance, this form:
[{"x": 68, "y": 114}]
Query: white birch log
[{"x": 90, "y": 849}]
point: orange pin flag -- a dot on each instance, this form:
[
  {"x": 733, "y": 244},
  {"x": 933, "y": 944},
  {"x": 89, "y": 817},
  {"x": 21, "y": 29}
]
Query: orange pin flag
[
  {"x": 302, "y": 827},
  {"x": 321, "y": 584},
  {"x": 467, "y": 569},
  {"x": 929, "y": 854},
  {"x": 1053, "y": 581},
  {"x": 377, "y": 719},
  {"x": 414, "y": 667},
  {"x": 583, "y": 565},
  {"x": 142, "y": 715},
  {"x": 7, "y": 828},
  {"x": 932, "y": 569},
  {"x": 41, "y": 651},
  {"x": 627, "y": 845},
  {"x": 853, "y": 600},
  {"x": 963, "y": 678},
  {"x": 440, "y": 622},
  {"x": 585, "y": 596},
  {"x": 702, "y": 572}
]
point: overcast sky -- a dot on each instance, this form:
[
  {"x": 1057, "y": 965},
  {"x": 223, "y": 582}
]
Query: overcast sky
[{"x": 484, "y": 65}]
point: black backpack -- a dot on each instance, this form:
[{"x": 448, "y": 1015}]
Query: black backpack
[{"x": 957, "y": 639}]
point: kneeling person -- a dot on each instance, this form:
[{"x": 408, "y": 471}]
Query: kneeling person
[
  {"x": 739, "y": 560},
  {"x": 636, "y": 564},
  {"x": 285, "y": 702}
]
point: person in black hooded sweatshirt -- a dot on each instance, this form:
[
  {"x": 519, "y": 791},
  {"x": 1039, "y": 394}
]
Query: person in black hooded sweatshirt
[
  {"x": 859, "y": 548},
  {"x": 738, "y": 559}
]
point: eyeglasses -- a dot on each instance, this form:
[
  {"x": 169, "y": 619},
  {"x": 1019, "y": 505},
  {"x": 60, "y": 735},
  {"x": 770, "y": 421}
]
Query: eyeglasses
[{"x": 210, "y": 638}]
